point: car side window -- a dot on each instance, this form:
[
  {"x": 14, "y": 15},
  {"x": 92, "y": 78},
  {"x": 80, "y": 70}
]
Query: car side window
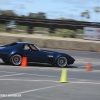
[
  {"x": 26, "y": 47},
  {"x": 33, "y": 47}
]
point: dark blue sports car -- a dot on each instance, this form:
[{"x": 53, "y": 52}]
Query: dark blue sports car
[{"x": 13, "y": 53}]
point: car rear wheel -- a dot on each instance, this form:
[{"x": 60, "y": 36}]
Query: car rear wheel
[
  {"x": 62, "y": 62},
  {"x": 16, "y": 59}
]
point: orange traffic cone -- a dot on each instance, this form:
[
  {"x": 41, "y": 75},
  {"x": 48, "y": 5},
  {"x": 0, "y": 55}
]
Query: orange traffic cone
[
  {"x": 89, "y": 67},
  {"x": 24, "y": 62}
]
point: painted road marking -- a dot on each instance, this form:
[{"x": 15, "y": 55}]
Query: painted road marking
[
  {"x": 57, "y": 77},
  {"x": 8, "y": 72},
  {"x": 72, "y": 82},
  {"x": 78, "y": 80},
  {"x": 12, "y": 74},
  {"x": 28, "y": 80},
  {"x": 59, "y": 69},
  {"x": 85, "y": 62},
  {"x": 40, "y": 75},
  {"x": 39, "y": 89},
  {"x": 79, "y": 68},
  {"x": 29, "y": 74},
  {"x": 45, "y": 75}
]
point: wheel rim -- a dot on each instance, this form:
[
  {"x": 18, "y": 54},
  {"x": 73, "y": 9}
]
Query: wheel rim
[
  {"x": 62, "y": 61},
  {"x": 16, "y": 59}
]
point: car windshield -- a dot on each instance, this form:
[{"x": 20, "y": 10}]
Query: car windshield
[{"x": 38, "y": 48}]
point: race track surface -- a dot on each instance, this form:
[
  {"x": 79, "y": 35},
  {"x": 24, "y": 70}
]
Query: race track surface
[{"x": 42, "y": 82}]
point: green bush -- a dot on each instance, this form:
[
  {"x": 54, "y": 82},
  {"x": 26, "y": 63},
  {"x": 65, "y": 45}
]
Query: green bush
[
  {"x": 65, "y": 33},
  {"x": 72, "y": 35},
  {"x": 79, "y": 31}
]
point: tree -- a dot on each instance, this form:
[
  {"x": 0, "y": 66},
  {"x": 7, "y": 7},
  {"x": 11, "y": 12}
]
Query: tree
[
  {"x": 85, "y": 14},
  {"x": 61, "y": 18},
  {"x": 39, "y": 15},
  {"x": 8, "y": 13},
  {"x": 32, "y": 15}
]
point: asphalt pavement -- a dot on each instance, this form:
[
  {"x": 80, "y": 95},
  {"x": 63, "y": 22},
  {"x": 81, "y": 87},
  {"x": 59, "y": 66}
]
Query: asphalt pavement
[{"x": 42, "y": 82}]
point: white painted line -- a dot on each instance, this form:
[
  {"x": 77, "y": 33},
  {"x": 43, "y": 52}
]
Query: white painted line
[
  {"x": 39, "y": 89},
  {"x": 84, "y": 70},
  {"x": 9, "y": 66},
  {"x": 12, "y": 74},
  {"x": 29, "y": 80},
  {"x": 85, "y": 62},
  {"x": 70, "y": 69},
  {"x": 30, "y": 74},
  {"x": 44, "y": 75},
  {"x": 80, "y": 70},
  {"x": 7, "y": 72},
  {"x": 85, "y": 82},
  {"x": 27, "y": 74},
  {"x": 28, "y": 67},
  {"x": 78, "y": 81},
  {"x": 40, "y": 75}
]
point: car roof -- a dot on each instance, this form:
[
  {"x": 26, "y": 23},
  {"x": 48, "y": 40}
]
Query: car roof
[{"x": 24, "y": 43}]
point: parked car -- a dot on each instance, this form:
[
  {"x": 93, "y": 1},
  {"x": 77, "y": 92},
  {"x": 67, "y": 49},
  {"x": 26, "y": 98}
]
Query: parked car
[{"x": 14, "y": 52}]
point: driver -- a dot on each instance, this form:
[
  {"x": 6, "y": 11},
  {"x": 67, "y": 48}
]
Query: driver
[{"x": 33, "y": 48}]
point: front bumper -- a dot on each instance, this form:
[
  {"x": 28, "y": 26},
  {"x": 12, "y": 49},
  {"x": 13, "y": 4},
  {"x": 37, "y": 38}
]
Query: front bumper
[{"x": 71, "y": 61}]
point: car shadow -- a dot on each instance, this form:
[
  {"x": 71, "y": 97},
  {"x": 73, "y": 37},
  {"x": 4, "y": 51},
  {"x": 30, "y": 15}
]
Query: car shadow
[
  {"x": 70, "y": 66},
  {"x": 41, "y": 65},
  {"x": 46, "y": 65},
  {"x": 38, "y": 65},
  {"x": 3, "y": 64}
]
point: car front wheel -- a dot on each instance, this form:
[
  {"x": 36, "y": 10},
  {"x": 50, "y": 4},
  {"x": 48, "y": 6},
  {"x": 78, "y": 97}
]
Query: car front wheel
[
  {"x": 16, "y": 59},
  {"x": 62, "y": 62}
]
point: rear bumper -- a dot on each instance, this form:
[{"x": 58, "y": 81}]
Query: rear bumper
[{"x": 3, "y": 56}]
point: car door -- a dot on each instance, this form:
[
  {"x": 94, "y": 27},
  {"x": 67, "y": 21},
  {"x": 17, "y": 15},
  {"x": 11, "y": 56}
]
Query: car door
[{"x": 35, "y": 55}]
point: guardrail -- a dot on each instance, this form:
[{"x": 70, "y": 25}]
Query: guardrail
[{"x": 48, "y": 22}]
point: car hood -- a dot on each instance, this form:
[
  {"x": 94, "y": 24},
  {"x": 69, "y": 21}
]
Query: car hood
[
  {"x": 50, "y": 52},
  {"x": 54, "y": 53}
]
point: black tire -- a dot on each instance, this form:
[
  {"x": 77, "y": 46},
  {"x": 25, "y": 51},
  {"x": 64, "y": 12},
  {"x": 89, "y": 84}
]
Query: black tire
[
  {"x": 16, "y": 59},
  {"x": 6, "y": 61},
  {"x": 62, "y": 62}
]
